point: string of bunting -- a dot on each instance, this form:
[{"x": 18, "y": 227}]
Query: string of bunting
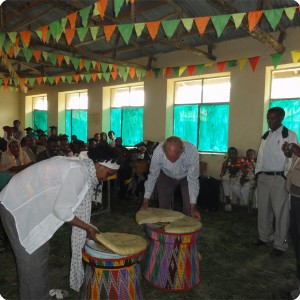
[{"x": 125, "y": 72}]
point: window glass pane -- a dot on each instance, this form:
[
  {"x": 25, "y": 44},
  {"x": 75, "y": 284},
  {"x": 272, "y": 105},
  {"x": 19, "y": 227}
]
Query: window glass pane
[
  {"x": 292, "y": 113},
  {"x": 77, "y": 101},
  {"x": 119, "y": 97},
  {"x": 290, "y": 80},
  {"x": 83, "y": 100},
  {"x": 216, "y": 90},
  {"x": 40, "y": 103},
  {"x": 79, "y": 124},
  {"x": 40, "y": 120},
  {"x": 186, "y": 122},
  {"x": 213, "y": 133},
  {"x": 132, "y": 125},
  {"x": 136, "y": 96},
  {"x": 188, "y": 92},
  {"x": 115, "y": 121}
]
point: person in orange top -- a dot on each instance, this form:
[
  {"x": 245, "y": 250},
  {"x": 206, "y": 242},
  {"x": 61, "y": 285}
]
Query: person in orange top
[{"x": 230, "y": 171}]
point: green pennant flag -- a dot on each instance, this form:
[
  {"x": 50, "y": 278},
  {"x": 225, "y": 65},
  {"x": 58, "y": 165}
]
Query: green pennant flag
[
  {"x": 125, "y": 76},
  {"x": 144, "y": 73},
  {"x": 53, "y": 58},
  {"x": 39, "y": 33},
  {"x": 237, "y": 19},
  {"x": 139, "y": 27},
  {"x": 31, "y": 81},
  {"x": 45, "y": 79},
  {"x": 110, "y": 67},
  {"x": 170, "y": 27},
  {"x": 290, "y": 12},
  {"x": 16, "y": 51},
  {"x": 199, "y": 69},
  {"x": 138, "y": 73},
  {"x": 16, "y": 81},
  {"x": 67, "y": 59},
  {"x": 94, "y": 64},
  {"x": 273, "y": 16},
  {"x": 117, "y": 5},
  {"x": 12, "y": 36},
  {"x": 87, "y": 64},
  {"x": 48, "y": 36},
  {"x": 220, "y": 22},
  {"x": 106, "y": 76},
  {"x": 56, "y": 30},
  {"x": 51, "y": 79},
  {"x": 99, "y": 75},
  {"x": 88, "y": 77},
  {"x": 276, "y": 58},
  {"x": 125, "y": 31},
  {"x": 176, "y": 71},
  {"x": 156, "y": 72},
  {"x": 1, "y": 81},
  {"x": 75, "y": 61},
  {"x": 69, "y": 78},
  {"x": 81, "y": 32},
  {"x": 63, "y": 78},
  {"x": 231, "y": 63},
  {"x": 82, "y": 76},
  {"x": 45, "y": 55},
  {"x": 104, "y": 67},
  {"x": 28, "y": 54},
  {"x": 2, "y": 38},
  {"x": 187, "y": 23},
  {"x": 94, "y": 31},
  {"x": 122, "y": 69},
  {"x": 96, "y": 10},
  {"x": 64, "y": 22},
  {"x": 6, "y": 46},
  {"x": 84, "y": 14}
]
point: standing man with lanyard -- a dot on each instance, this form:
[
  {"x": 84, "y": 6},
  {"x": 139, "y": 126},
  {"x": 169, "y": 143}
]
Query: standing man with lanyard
[
  {"x": 271, "y": 168},
  {"x": 174, "y": 162}
]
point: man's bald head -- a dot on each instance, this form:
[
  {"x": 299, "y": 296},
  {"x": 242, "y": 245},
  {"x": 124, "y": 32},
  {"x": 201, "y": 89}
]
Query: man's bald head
[{"x": 173, "y": 148}]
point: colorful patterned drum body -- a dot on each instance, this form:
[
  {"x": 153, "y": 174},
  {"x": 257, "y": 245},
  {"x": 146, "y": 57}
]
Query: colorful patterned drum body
[
  {"x": 172, "y": 260},
  {"x": 111, "y": 278}
]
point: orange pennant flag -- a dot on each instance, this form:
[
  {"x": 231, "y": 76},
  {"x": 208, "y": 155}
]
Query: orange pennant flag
[
  {"x": 44, "y": 30},
  {"x": 72, "y": 19},
  {"x": 39, "y": 80},
  {"x": 0, "y": 53},
  {"x": 108, "y": 31},
  {"x": 149, "y": 74},
  {"x": 168, "y": 71},
  {"x": 114, "y": 75},
  {"x": 60, "y": 58},
  {"x": 221, "y": 65},
  {"x": 5, "y": 60},
  {"x": 17, "y": 43},
  {"x": 115, "y": 67},
  {"x": 132, "y": 1},
  {"x": 57, "y": 79},
  {"x": 11, "y": 51},
  {"x": 82, "y": 62},
  {"x": 153, "y": 28},
  {"x": 131, "y": 72},
  {"x": 94, "y": 76},
  {"x": 201, "y": 23},
  {"x": 102, "y": 4},
  {"x": 37, "y": 55},
  {"x": 253, "y": 19},
  {"x": 69, "y": 33},
  {"x": 23, "y": 80},
  {"x": 98, "y": 64},
  {"x": 26, "y": 37},
  {"x": 5, "y": 80},
  {"x": 76, "y": 77}
]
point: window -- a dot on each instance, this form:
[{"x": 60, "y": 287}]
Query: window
[
  {"x": 76, "y": 115},
  {"x": 288, "y": 97},
  {"x": 201, "y": 112},
  {"x": 127, "y": 114},
  {"x": 40, "y": 113}
]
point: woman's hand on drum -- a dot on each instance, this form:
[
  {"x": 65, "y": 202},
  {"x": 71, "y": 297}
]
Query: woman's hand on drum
[
  {"x": 195, "y": 212},
  {"x": 91, "y": 233}
]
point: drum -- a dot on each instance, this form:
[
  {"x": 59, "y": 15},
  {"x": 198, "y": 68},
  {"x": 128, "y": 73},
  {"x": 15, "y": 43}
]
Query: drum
[
  {"x": 110, "y": 276},
  {"x": 173, "y": 260}
]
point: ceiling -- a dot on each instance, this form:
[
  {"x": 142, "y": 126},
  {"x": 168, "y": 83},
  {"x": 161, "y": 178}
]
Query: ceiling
[{"x": 30, "y": 15}]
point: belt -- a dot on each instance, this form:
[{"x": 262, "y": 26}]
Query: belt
[{"x": 281, "y": 173}]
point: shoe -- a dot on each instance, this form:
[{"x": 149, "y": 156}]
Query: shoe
[
  {"x": 259, "y": 243},
  {"x": 276, "y": 252}
]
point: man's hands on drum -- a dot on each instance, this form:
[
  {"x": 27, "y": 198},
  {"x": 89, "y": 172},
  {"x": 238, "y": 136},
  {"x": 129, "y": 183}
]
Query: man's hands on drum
[
  {"x": 195, "y": 212},
  {"x": 91, "y": 233}
]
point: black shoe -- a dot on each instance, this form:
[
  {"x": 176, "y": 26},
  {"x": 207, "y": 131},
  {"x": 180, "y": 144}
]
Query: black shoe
[
  {"x": 259, "y": 243},
  {"x": 276, "y": 252}
]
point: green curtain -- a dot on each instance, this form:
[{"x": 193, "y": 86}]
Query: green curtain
[
  {"x": 132, "y": 125},
  {"x": 115, "y": 121},
  {"x": 292, "y": 113},
  {"x": 76, "y": 123},
  {"x": 40, "y": 120},
  {"x": 186, "y": 122},
  {"x": 213, "y": 131}
]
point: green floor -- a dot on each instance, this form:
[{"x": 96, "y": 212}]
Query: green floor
[{"x": 231, "y": 268}]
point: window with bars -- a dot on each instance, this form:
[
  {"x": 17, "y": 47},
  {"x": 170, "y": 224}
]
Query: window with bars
[
  {"x": 201, "y": 112},
  {"x": 40, "y": 113},
  {"x": 77, "y": 115},
  {"x": 127, "y": 114},
  {"x": 285, "y": 93}
]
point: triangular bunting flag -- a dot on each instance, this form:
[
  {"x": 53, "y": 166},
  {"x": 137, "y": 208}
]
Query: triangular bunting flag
[
  {"x": 88, "y": 77},
  {"x": 295, "y": 56},
  {"x": 253, "y": 62},
  {"x": 39, "y": 80},
  {"x": 114, "y": 75},
  {"x": 221, "y": 65},
  {"x": 94, "y": 64},
  {"x": 199, "y": 69},
  {"x": 12, "y": 36},
  {"x": 45, "y": 55},
  {"x": 273, "y": 16},
  {"x": 28, "y": 54},
  {"x": 81, "y": 65},
  {"x": 253, "y": 19},
  {"x": 75, "y": 61},
  {"x": 69, "y": 33},
  {"x": 276, "y": 58},
  {"x": 94, "y": 31},
  {"x": 87, "y": 64},
  {"x": 108, "y": 31},
  {"x": 132, "y": 72},
  {"x": 51, "y": 79},
  {"x": 72, "y": 19},
  {"x": 76, "y": 77},
  {"x": 168, "y": 71},
  {"x": 117, "y": 5},
  {"x": 98, "y": 64},
  {"x": 84, "y": 14},
  {"x": 149, "y": 74},
  {"x": 156, "y": 72},
  {"x": 220, "y": 22},
  {"x": 26, "y": 37},
  {"x": 102, "y": 4},
  {"x": 2, "y": 39},
  {"x": 44, "y": 30},
  {"x": 237, "y": 19},
  {"x": 57, "y": 79},
  {"x": 290, "y": 12},
  {"x": 153, "y": 28},
  {"x": 99, "y": 75},
  {"x": 69, "y": 79},
  {"x": 52, "y": 57},
  {"x": 170, "y": 27},
  {"x": 201, "y": 23},
  {"x": 181, "y": 70},
  {"x": 94, "y": 76},
  {"x": 67, "y": 59},
  {"x": 139, "y": 27},
  {"x": 104, "y": 67},
  {"x": 191, "y": 69},
  {"x": 59, "y": 58},
  {"x": 63, "y": 78},
  {"x": 106, "y": 76},
  {"x": 37, "y": 55},
  {"x": 231, "y": 63},
  {"x": 45, "y": 79},
  {"x": 11, "y": 51},
  {"x": 56, "y": 30},
  {"x": 242, "y": 62},
  {"x": 176, "y": 71},
  {"x": 187, "y": 23},
  {"x": 63, "y": 23},
  {"x": 81, "y": 32},
  {"x": 125, "y": 31},
  {"x": 125, "y": 76},
  {"x": 31, "y": 81}
]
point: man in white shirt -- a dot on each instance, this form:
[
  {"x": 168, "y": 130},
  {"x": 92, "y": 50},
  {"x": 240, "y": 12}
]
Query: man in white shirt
[
  {"x": 174, "y": 162},
  {"x": 111, "y": 136},
  {"x": 37, "y": 201},
  {"x": 271, "y": 168}
]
